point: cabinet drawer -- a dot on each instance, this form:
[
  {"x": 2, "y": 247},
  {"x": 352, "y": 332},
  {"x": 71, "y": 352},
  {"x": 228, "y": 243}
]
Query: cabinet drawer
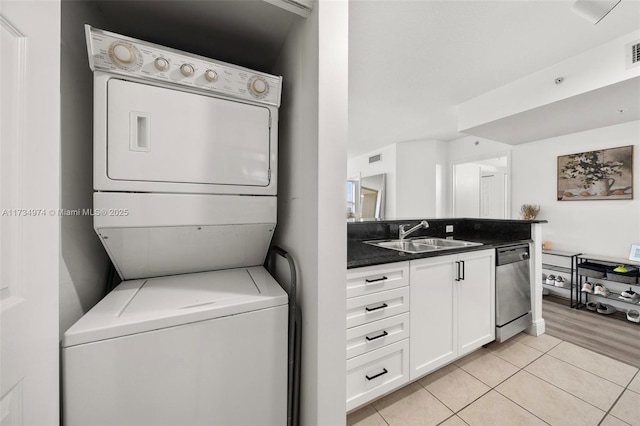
[
  {"x": 376, "y": 306},
  {"x": 377, "y": 372},
  {"x": 370, "y": 279},
  {"x": 377, "y": 334}
]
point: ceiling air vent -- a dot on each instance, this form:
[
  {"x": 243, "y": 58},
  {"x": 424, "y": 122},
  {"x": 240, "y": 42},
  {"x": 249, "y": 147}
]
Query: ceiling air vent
[
  {"x": 633, "y": 54},
  {"x": 375, "y": 158}
]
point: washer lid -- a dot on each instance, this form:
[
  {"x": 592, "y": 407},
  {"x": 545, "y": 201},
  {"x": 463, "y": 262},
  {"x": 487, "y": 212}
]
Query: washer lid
[{"x": 150, "y": 304}]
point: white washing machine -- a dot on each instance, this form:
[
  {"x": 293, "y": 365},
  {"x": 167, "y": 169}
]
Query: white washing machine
[
  {"x": 185, "y": 180},
  {"x": 207, "y": 348}
]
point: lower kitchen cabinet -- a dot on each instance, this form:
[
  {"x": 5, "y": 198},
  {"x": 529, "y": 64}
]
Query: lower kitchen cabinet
[
  {"x": 476, "y": 301},
  {"x": 407, "y": 319},
  {"x": 377, "y": 372},
  {"x": 452, "y": 308},
  {"x": 377, "y": 331},
  {"x": 374, "y": 335}
]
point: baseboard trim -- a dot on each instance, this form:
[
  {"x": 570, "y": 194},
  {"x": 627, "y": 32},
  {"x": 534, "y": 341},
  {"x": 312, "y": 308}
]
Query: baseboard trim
[{"x": 536, "y": 328}]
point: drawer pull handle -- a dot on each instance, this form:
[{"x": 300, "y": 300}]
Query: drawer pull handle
[
  {"x": 384, "y": 305},
  {"x": 384, "y": 333},
  {"x": 384, "y": 371},
  {"x": 383, "y": 278}
]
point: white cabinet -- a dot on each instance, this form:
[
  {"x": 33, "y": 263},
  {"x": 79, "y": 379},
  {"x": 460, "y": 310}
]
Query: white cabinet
[
  {"x": 432, "y": 292},
  {"x": 452, "y": 308},
  {"x": 377, "y": 336},
  {"x": 407, "y": 319},
  {"x": 373, "y": 279},
  {"x": 377, "y": 372}
]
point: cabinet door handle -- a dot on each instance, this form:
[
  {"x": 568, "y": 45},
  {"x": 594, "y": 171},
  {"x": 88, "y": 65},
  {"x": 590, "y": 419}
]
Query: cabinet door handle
[
  {"x": 462, "y": 278},
  {"x": 457, "y": 271},
  {"x": 384, "y": 333},
  {"x": 384, "y": 305},
  {"x": 384, "y": 371},
  {"x": 383, "y": 278}
]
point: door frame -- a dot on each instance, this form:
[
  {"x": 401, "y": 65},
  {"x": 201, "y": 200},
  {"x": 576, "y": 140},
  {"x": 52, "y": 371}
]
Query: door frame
[{"x": 479, "y": 159}]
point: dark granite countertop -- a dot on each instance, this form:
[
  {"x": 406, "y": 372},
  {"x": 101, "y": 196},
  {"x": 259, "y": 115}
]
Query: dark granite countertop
[
  {"x": 492, "y": 233},
  {"x": 360, "y": 254}
]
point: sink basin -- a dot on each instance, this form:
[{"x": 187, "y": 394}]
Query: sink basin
[
  {"x": 443, "y": 243},
  {"x": 421, "y": 245}
]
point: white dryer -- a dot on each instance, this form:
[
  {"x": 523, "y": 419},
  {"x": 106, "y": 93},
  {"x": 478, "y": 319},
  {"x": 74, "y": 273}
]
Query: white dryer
[
  {"x": 207, "y": 348},
  {"x": 185, "y": 158}
]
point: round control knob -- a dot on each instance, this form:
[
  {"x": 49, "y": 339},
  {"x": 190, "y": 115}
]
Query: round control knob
[
  {"x": 161, "y": 64},
  {"x": 123, "y": 53},
  {"x": 259, "y": 86},
  {"x": 187, "y": 70},
  {"x": 211, "y": 75}
]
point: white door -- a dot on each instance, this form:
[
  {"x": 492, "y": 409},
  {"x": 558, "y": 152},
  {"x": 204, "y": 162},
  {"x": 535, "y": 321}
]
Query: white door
[
  {"x": 476, "y": 300},
  {"x": 492, "y": 196},
  {"x": 433, "y": 314},
  {"x": 163, "y": 135},
  {"x": 29, "y": 199}
]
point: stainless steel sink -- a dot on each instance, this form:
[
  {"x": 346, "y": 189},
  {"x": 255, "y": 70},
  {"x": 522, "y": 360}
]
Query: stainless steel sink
[
  {"x": 421, "y": 245},
  {"x": 443, "y": 243}
]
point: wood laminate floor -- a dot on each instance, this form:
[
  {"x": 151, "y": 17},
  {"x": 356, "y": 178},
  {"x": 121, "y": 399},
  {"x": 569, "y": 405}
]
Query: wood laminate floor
[{"x": 613, "y": 337}]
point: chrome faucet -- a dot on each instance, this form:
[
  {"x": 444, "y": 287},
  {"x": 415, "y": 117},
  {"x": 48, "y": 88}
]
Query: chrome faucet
[{"x": 403, "y": 234}]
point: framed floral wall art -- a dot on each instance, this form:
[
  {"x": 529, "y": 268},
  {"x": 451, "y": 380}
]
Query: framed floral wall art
[{"x": 606, "y": 174}]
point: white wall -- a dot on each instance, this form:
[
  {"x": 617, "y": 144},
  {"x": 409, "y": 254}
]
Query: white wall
[
  {"x": 311, "y": 199},
  {"x": 360, "y": 166},
  {"x": 417, "y": 177},
  {"x": 416, "y": 183},
  {"x": 84, "y": 262},
  {"x": 466, "y": 150},
  {"x": 595, "y": 227}
]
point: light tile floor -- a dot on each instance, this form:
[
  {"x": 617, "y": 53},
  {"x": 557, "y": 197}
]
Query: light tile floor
[{"x": 524, "y": 381}]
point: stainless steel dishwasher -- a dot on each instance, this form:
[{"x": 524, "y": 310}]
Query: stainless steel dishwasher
[{"x": 513, "y": 291}]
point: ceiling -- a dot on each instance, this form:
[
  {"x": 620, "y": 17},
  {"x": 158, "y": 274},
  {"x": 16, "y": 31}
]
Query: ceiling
[{"x": 412, "y": 62}]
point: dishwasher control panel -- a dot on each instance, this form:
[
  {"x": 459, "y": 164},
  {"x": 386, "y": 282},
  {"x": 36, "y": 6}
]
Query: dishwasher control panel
[{"x": 511, "y": 254}]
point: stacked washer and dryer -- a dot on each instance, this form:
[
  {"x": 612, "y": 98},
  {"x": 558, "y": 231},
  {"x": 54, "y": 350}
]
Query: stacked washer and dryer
[{"x": 185, "y": 179}]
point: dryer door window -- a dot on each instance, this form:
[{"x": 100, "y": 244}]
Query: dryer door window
[{"x": 162, "y": 135}]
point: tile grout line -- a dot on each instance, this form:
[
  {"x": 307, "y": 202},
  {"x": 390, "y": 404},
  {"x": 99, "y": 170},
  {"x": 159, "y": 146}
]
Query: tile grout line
[
  {"x": 591, "y": 372},
  {"x": 525, "y": 409},
  {"x": 559, "y": 388},
  {"x": 575, "y": 396},
  {"x": 494, "y": 387},
  {"x": 624, "y": 388},
  {"x": 520, "y": 369},
  {"x": 452, "y": 416},
  {"x": 608, "y": 413},
  {"x": 438, "y": 399}
]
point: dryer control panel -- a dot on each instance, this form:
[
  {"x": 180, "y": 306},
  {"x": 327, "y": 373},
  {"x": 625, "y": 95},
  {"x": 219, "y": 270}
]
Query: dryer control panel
[{"x": 117, "y": 54}]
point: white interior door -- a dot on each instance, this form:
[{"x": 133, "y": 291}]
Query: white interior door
[
  {"x": 29, "y": 200},
  {"x": 492, "y": 196}
]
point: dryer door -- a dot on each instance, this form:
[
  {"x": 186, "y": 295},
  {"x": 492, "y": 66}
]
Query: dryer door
[{"x": 162, "y": 135}]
